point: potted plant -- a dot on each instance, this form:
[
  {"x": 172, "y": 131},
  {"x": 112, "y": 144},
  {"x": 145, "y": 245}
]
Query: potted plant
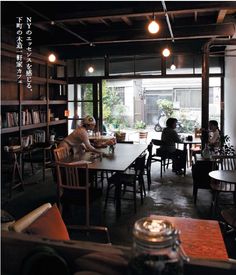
[
  {"x": 140, "y": 125},
  {"x": 226, "y": 148}
]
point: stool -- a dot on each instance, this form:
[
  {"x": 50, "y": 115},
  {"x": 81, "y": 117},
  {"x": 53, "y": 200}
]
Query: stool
[{"x": 17, "y": 180}]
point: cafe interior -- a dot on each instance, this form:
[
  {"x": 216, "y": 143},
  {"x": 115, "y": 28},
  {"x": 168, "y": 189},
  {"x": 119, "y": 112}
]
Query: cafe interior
[{"x": 120, "y": 209}]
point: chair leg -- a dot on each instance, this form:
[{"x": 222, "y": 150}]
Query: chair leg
[
  {"x": 134, "y": 197},
  {"x": 149, "y": 179},
  {"x": 161, "y": 168},
  {"x": 109, "y": 185},
  {"x": 31, "y": 162},
  {"x": 107, "y": 194},
  {"x": 143, "y": 186},
  {"x": 195, "y": 189},
  {"x": 214, "y": 203}
]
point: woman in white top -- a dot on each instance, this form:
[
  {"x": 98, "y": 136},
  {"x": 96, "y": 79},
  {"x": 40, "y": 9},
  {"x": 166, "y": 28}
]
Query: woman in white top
[
  {"x": 78, "y": 140},
  {"x": 214, "y": 135}
]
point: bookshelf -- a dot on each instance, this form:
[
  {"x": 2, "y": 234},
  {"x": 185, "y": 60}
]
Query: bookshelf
[{"x": 23, "y": 111}]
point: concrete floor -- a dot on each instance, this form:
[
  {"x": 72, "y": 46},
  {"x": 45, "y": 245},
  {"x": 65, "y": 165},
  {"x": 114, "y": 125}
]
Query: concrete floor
[{"x": 171, "y": 196}]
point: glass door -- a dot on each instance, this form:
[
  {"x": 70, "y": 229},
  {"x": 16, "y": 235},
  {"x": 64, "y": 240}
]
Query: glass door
[{"x": 84, "y": 99}]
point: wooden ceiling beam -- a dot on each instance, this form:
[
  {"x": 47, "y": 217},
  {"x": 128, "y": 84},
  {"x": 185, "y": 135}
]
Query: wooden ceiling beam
[
  {"x": 127, "y": 20},
  {"x": 104, "y": 22},
  {"x": 221, "y": 16},
  {"x": 129, "y": 14},
  {"x": 181, "y": 33},
  {"x": 195, "y": 16}
]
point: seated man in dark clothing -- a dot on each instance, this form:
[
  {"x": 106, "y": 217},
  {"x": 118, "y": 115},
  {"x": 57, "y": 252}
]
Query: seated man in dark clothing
[{"x": 170, "y": 137}]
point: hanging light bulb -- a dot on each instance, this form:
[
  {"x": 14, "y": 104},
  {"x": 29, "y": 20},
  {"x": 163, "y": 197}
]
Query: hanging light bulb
[
  {"x": 153, "y": 26},
  {"x": 52, "y": 57},
  {"x": 166, "y": 52},
  {"x": 172, "y": 67},
  {"x": 91, "y": 69}
]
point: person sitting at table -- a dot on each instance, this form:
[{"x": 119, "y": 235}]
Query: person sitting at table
[
  {"x": 169, "y": 137},
  {"x": 213, "y": 135},
  {"x": 78, "y": 140}
]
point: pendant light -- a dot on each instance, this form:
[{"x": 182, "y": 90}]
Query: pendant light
[
  {"x": 91, "y": 69},
  {"x": 172, "y": 67},
  {"x": 52, "y": 57},
  {"x": 153, "y": 26},
  {"x": 166, "y": 52}
]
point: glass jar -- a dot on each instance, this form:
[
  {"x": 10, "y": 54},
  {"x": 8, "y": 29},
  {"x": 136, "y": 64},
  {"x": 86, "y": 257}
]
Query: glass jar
[{"x": 156, "y": 248}]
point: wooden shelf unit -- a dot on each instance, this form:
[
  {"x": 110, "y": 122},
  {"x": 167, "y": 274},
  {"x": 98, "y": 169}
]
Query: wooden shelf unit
[{"x": 48, "y": 96}]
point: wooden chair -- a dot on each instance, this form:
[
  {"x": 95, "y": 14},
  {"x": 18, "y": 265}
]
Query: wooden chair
[
  {"x": 60, "y": 153},
  {"x": 148, "y": 164},
  {"x": 134, "y": 180},
  {"x": 40, "y": 153},
  {"x": 200, "y": 174},
  {"x": 73, "y": 181},
  {"x": 223, "y": 162},
  {"x": 160, "y": 156}
]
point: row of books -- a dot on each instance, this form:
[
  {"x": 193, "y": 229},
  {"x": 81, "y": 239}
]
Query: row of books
[
  {"x": 39, "y": 136},
  {"x": 11, "y": 119},
  {"x": 33, "y": 117}
]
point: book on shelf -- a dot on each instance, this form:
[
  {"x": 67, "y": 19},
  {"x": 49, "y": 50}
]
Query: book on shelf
[
  {"x": 43, "y": 116},
  {"x": 11, "y": 120},
  {"x": 35, "y": 117},
  {"x": 39, "y": 136},
  {"x": 26, "y": 117}
]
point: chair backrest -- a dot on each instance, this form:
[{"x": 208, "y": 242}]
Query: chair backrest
[
  {"x": 149, "y": 149},
  {"x": 60, "y": 153},
  {"x": 157, "y": 142},
  {"x": 226, "y": 162},
  {"x": 139, "y": 164},
  {"x": 73, "y": 175},
  {"x": 21, "y": 224}
]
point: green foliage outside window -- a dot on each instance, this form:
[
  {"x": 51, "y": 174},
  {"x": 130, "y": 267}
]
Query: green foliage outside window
[{"x": 114, "y": 111}]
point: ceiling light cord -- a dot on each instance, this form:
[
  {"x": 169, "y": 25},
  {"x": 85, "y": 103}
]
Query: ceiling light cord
[{"x": 168, "y": 21}]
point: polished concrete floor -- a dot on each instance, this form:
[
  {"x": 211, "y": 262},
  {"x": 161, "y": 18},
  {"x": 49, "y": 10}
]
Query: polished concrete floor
[{"x": 170, "y": 196}]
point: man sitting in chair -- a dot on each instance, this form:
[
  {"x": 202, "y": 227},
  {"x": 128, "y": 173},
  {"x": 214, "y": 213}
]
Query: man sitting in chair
[{"x": 169, "y": 137}]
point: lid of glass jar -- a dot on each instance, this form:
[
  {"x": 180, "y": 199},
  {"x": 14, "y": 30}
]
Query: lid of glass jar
[{"x": 155, "y": 231}]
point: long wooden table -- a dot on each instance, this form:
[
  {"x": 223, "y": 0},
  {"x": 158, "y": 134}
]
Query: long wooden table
[{"x": 124, "y": 155}]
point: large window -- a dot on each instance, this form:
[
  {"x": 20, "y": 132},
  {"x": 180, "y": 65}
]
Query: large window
[
  {"x": 82, "y": 101},
  {"x": 126, "y": 102}
]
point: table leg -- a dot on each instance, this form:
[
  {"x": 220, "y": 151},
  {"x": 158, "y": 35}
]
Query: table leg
[
  {"x": 117, "y": 198},
  {"x": 16, "y": 172}
]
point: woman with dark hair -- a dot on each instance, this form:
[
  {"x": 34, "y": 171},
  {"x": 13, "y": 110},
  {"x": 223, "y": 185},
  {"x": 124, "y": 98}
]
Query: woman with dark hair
[
  {"x": 170, "y": 137},
  {"x": 214, "y": 135}
]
